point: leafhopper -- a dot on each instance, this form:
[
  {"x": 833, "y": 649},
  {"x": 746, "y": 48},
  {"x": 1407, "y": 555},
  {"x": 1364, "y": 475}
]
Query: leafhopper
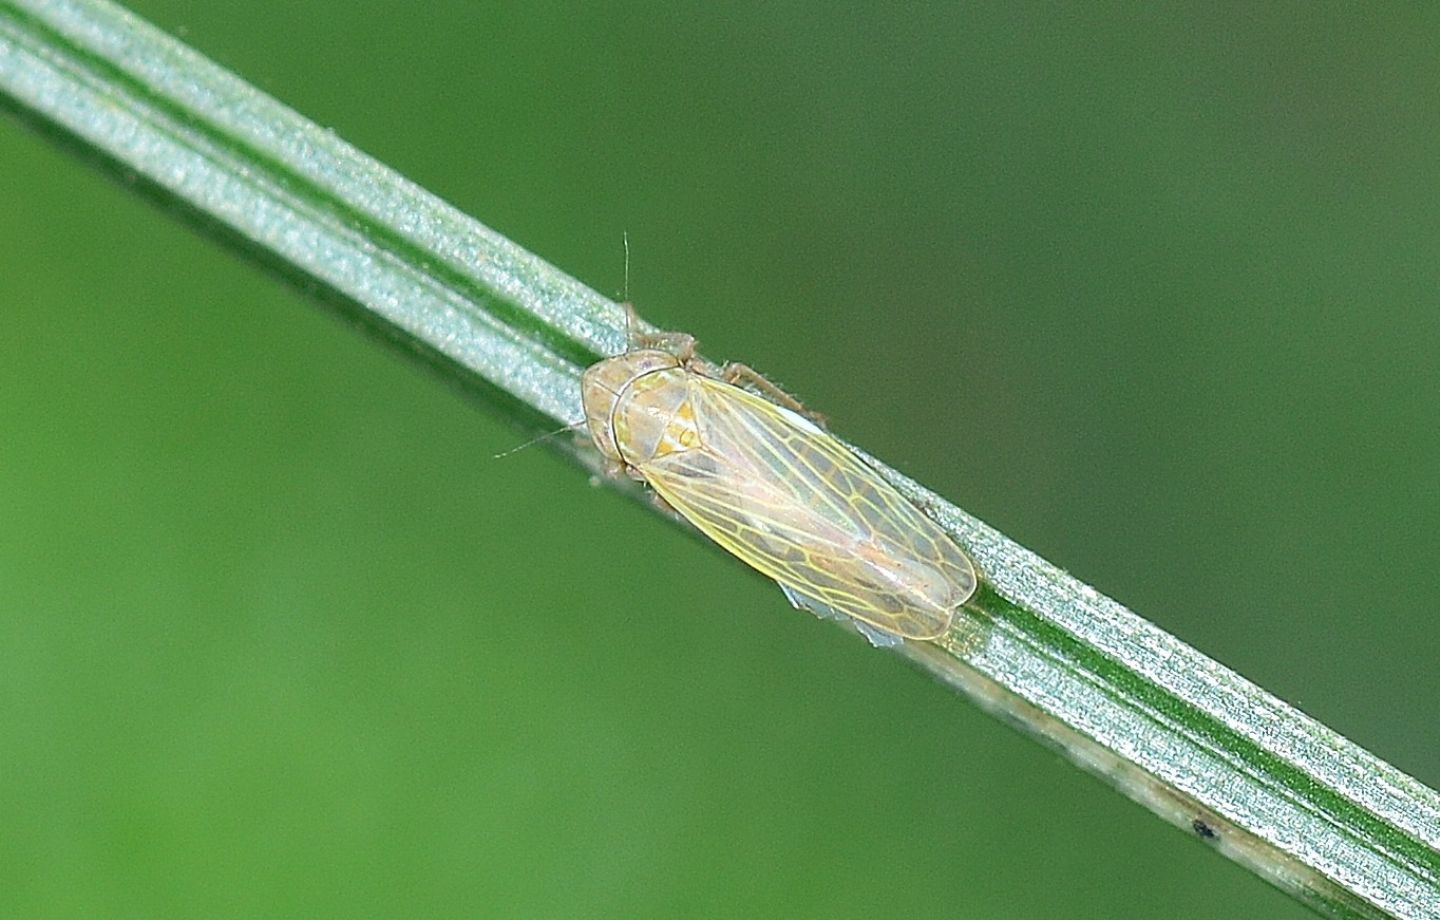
[{"x": 735, "y": 456}]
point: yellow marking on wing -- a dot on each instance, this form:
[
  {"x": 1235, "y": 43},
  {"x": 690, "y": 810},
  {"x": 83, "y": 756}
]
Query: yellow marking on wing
[{"x": 790, "y": 500}]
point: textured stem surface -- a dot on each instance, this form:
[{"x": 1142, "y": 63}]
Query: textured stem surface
[{"x": 1174, "y": 730}]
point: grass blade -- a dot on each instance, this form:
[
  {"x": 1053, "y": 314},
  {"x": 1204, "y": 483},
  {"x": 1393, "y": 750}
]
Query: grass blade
[{"x": 1200, "y": 746}]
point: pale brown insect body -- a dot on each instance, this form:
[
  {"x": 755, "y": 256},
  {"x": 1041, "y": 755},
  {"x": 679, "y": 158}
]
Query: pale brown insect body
[{"x": 775, "y": 489}]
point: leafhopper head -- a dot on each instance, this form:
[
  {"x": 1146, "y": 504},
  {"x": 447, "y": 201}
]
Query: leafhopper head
[{"x": 630, "y": 402}]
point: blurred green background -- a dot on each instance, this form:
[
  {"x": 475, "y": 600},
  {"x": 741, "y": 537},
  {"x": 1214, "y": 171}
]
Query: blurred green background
[{"x": 1154, "y": 292}]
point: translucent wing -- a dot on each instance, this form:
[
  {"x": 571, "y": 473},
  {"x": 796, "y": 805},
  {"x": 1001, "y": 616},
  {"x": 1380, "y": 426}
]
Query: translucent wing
[
  {"x": 877, "y": 637},
  {"x": 790, "y": 500}
]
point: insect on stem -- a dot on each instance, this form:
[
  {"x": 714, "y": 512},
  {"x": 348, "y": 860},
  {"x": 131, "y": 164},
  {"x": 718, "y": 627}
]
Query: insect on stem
[{"x": 752, "y": 472}]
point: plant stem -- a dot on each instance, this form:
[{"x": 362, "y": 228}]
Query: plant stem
[{"x": 1197, "y": 744}]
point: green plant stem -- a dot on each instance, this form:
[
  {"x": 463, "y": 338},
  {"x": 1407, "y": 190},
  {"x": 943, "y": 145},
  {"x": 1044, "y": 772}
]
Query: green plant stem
[{"x": 1200, "y": 746}]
